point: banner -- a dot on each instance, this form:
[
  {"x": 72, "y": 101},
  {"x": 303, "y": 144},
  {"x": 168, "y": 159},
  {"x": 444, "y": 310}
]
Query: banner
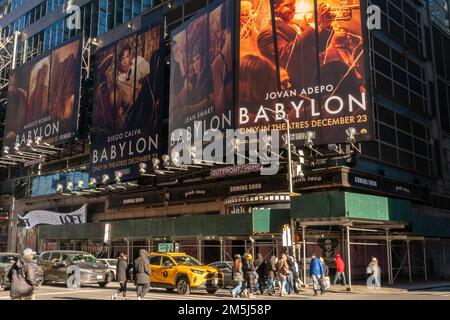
[
  {"x": 126, "y": 120},
  {"x": 202, "y": 72},
  {"x": 304, "y": 60},
  {"x": 43, "y": 98},
  {"x": 37, "y": 217}
]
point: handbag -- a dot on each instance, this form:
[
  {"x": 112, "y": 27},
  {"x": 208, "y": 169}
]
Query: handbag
[
  {"x": 369, "y": 270},
  {"x": 325, "y": 282}
]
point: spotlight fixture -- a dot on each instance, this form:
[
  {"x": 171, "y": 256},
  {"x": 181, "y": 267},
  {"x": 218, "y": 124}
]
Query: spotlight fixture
[
  {"x": 80, "y": 184},
  {"x": 351, "y": 133},
  {"x": 92, "y": 182},
  {"x": 118, "y": 176},
  {"x": 69, "y": 186},
  {"x": 59, "y": 188},
  {"x": 105, "y": 179}
]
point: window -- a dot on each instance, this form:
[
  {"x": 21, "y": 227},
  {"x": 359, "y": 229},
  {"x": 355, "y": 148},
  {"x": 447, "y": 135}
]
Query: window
[
  {"x": 56, "y": 257},
  {"x": 102, "y": 16},
  {"x": 119, "y": 12},
  {"x": 45, "y": 256},
  {"x": 166, "y": 261},
  {"x": 127, "y": 10},
  {"x": 155, "y": 260}
]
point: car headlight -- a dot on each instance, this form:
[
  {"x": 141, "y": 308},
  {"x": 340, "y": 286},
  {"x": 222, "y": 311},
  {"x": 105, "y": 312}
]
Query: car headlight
[{"x": 197, "y": 271}]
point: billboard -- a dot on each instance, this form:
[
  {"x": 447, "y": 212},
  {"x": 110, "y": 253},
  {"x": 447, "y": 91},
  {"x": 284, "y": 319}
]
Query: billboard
[
  {"x": 43, "y": 97},
  {"x": 202, "y": 71},
  {"x": 126, "y": 119},
  {"x": 304, "y": 60}
]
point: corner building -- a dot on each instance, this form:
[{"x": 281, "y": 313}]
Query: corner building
[{"x": 393, "y": 203}]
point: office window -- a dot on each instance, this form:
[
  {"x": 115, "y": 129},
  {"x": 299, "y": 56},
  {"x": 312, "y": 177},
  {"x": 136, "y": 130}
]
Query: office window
[
  {"x": 102, "y": 16},
  {"x": 127, "y": 10},
  {"x": 136, "y": 8},
  {"x": 111, "y": 12},
  {"x": 119, "y": 12},
  {"x": 146, "y": 4},
  {"x": 94, "y": 17}
]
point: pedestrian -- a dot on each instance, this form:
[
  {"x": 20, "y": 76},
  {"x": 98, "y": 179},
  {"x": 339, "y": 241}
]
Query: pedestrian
[
  {"x": 121, "y": 275},
  {"x": 143, "y": 273},
  {"x": 237, "y": 276},
  {"x": 316, "y": 272},
  {"x": 326, "y": 270},
  {"x": 374, "y": 280},
  {"x": 22, "y": 276},
  {"x": 260, "y": 266},
  {"x": 248, "y": 269},
  {"x": 283, "y": 273},
  {"x": 340, "y": 271},
  {"x": 290, "y": 277},
  {"x": 270, "y": 271}
]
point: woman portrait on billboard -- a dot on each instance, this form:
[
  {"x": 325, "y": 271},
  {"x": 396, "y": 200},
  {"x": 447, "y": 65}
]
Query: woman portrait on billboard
[
  {"x": 178, "y": 80},
  {"x": 199, "y": 72}
]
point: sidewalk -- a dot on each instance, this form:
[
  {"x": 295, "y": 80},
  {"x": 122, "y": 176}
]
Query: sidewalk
[{"x": 399, "y": 287}]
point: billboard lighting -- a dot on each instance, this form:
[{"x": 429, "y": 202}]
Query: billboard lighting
[
  {"x": 351, "y": 133},
  {"x": 59, "y": 188},
  {"x": 105, "y": 179},
  {"x": 143, "y": 170}
]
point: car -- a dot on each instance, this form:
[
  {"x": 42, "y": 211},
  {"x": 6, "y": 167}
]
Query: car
[
  {"x": 57, "y": 267},
  {"x": 7, "y": 260},
  {"x": 184, "y": 273},
  {"x": 225, "y": 267},
  {"x": 111, "y": 265}
]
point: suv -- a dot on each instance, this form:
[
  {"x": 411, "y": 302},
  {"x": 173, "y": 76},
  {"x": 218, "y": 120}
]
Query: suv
[
  {"x": 184, "y": 273},
  {"x": 58, "y": 266},
  {"x": 6, "y": 262},
  {"x": 111, "y": 265}
]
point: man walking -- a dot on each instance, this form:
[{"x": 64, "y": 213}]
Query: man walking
[
  {"x": 122, "y": 277},
  {"x": 22, "y": 276},
  {"x": 143, "y": 273},
  {"x": 316, "y": 272},
  {"x": 340, "y": 271}
]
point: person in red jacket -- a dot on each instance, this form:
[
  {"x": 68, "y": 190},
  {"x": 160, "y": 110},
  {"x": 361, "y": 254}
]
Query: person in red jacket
[{"x": 340, "y": 270}]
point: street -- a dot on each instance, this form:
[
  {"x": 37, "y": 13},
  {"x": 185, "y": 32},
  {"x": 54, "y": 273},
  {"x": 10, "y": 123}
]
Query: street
[{"x": 93, "y": 292}]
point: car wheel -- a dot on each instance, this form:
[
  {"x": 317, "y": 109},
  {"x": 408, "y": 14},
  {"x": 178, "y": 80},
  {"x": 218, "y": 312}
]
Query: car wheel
[
  {"x": 183, "y": 286},
  {"x": 44, "y": 280},
  {"x": 211, "y": 291},
  {"x": 170, "y": 290},
  {"x": 102, "y": 284}
]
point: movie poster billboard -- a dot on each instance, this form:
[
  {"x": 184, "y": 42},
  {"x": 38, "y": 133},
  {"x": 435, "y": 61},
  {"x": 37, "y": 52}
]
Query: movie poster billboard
[
  {"x": 201, "y": 71},
  {"x": 126, "y": 120},
  {"x": 304, "y": 60},
  {"x": 43, "y": 98}
]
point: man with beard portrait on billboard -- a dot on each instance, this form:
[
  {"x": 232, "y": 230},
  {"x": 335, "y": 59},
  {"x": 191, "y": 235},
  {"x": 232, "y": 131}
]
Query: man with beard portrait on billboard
[
  {"x": 221, "y": 57},
  {"x": 65, "y": 69},
  {"x": 17, "y": 104},
  {"x": 38, "y": 90},
  {"x": 296, "y": 43}
]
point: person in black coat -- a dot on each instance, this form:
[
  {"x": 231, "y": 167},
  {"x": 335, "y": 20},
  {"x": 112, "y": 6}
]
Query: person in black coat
[
  {"x": 249, "y": 273},
  {"x": 143, "y": 272},
  {"x": 260, "y": 266},
  {"x": 121, "y": 275}
]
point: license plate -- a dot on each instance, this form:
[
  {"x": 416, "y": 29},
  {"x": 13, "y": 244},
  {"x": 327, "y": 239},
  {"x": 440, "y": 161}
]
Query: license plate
[{"x": 99, "y": 277}]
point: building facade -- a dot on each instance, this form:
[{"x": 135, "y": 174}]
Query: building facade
[{"x": 404, "y": 173}]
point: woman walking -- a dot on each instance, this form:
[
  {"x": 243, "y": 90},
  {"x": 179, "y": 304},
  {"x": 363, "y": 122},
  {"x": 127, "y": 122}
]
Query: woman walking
[
  {"x": 121, "y": 274},
  {"x": 238, "y": 277}
]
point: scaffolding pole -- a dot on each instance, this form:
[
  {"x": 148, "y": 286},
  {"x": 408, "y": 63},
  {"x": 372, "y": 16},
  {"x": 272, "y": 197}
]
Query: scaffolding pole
[
  {"x": 304, "y": 255},
  {"x": 409, "y": 260},
  {"x": 389, "y": 258},
  {"x": 349, "y": 260},
  {"x": 425, "y": 260},
  {"x": 445, "y": 262}
]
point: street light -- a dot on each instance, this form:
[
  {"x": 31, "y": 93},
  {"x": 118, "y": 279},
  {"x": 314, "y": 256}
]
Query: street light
[{"x": 291, "y": 185}]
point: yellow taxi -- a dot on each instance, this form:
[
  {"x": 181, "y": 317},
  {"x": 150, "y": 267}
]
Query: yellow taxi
[{"x": 184, "y": 273}]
